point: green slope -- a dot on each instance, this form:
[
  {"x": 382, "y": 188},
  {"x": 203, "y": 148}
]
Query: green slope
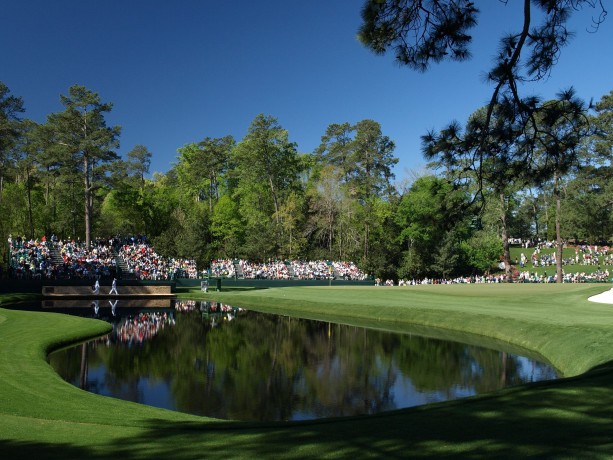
[{"x": 45, "y": 417}]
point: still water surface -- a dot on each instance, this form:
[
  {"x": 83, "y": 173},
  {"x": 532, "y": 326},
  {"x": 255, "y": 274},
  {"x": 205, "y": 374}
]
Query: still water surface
[{"x": 211, "y": 359}]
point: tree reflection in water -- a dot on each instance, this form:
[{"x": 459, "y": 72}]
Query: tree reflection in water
[{"x": 212, "y": 359}]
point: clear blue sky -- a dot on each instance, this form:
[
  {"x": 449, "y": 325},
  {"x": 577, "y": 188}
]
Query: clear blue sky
[{"x": 181, "y": 70}]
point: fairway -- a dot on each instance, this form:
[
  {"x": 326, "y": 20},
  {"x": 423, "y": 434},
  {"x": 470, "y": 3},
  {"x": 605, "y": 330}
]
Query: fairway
[{"x": 43, "y": 416}]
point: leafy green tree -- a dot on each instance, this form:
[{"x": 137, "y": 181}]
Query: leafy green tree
[
  {"x": 448, "y": 255},
  {"x": 127, "y": 204},
  {"x": 589, "y": 194},
  {"x": 81, "y": 129},
  {"x": 526, "y": 222},
  {"x": 125, "y": 210},
  {"x": 55, "y": 181},
  {"x": 336, "y": 149},
  {"x": 497, "y": 161},
  {"x": 292, "y": 221},
  {"x": 194, "y": 240},
  {"x": 371, "y": 172},
  {"x": 324, "y": 196},
  {"x": 26, "y": 155},
  {"x": 227, "y": 227},
  {"x": 163, "y": 197},
  {"x": 587, "y": 207},
  {"x": 483, "y": 250},
  {"x": 29, "y": 175},
  {"x": 138, "y": 163},
  {"x": 372, "y": 161},
  {"x": 11, "y": 108},
  {"x": 113, "y": 218},
  {"x": 384, "y": 254},
  {"x": 202, "y": 165},
  {"x": 425, "y": 215},
  {"x": 602, "y": 120},
  {"x": 362, "y": 157},
  {"x": 186, "y": 232},
  {"x": 267, "y": 171}
]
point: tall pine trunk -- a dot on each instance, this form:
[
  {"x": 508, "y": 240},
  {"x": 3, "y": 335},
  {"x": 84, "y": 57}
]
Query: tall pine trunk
[
  {"x": 30, "y": 214},
  {"x": 274, "y": 198},
  {"x": 88, "y": 200},
  {"x": 556, "y": 193},
  {"x": 505, "y": 239}
]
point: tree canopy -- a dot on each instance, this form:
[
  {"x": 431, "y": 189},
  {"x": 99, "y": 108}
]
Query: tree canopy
[
  {"x": 422, "y": 32},
  {"x": 259, "y": 198}
]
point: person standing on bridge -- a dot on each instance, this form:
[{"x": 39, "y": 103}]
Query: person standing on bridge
[
  {"x": 97, "y": 287},
  {"x": 114, "y": 287}
]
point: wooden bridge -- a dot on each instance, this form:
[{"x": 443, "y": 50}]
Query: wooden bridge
[{"x": 104, "y": 292}]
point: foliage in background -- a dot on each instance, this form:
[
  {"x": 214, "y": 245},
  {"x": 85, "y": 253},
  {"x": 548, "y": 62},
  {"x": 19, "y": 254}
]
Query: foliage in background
[{"x": 259, "y": 198}]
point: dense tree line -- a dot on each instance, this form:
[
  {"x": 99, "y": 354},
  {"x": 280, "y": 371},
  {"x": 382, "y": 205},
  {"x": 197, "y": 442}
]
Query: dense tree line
[
  {"x": 517, "y": 139},
  {"x": 260, "y": 198}
]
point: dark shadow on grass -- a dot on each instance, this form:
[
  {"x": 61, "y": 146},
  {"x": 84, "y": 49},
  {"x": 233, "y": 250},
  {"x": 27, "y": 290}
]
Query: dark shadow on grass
[
  {"x": 567, "y": 418},
  {"x": 43, "y": 451},
  {"x": 570, "y": 418}
]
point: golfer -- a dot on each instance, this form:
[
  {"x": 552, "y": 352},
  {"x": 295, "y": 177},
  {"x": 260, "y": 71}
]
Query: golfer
[{"x": 113, "y": 287}]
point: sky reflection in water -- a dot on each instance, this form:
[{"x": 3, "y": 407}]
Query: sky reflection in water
[{"x": 219, "y": 361}]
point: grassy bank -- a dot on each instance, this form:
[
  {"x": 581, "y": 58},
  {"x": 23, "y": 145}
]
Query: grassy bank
[{"x": 44, "y": 416}]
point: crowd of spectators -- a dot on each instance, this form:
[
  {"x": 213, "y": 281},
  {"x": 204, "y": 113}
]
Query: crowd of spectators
[
  {"x": 28, "y": 258},
  {"x": 584, "y": 255},
  {"x": 274, "y": 270},
  {"x": 82, "y": 262},
  {"x": 33, "y": 259},
  {"x": 312, "y": 270},
  {"x": 223, "y": 268},
  {"x": 144, "y": 263},
  {"x": 284, "y": 270},
  {"x": 593, "y": 255},
  {"x": 349, "y": 271},
  {"x": 599, "y": 276},
  {"x": 477, "y": 279},
  {"x": 77, "y": 261}
]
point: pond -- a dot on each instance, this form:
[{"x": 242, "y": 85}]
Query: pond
[{"x": 219, "y": 361}]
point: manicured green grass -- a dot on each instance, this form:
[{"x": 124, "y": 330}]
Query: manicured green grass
[{"x": 43, "y": 416}]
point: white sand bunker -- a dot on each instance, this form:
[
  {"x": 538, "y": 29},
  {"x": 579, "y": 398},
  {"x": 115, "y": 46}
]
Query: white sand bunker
[{"x": 605, "y": 297}]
